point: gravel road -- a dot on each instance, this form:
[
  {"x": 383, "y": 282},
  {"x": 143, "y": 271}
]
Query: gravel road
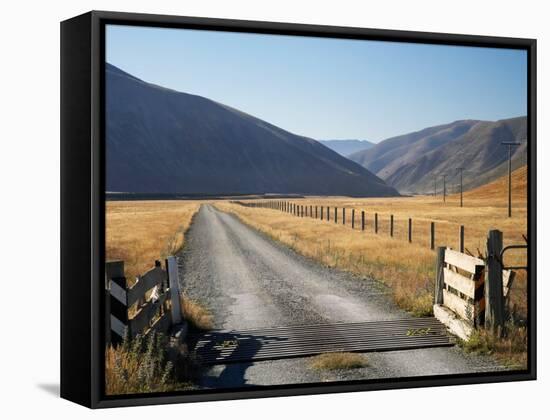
[{"x": 249, "y": 281}]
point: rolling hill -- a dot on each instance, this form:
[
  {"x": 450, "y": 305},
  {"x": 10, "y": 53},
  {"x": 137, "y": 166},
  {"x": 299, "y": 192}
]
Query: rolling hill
[
  {"x": 162, "y": 141},
  {"x": 347, "y": 147},
  {"x": 413, "y": 161},
  {"x": 498, "y": 190}
]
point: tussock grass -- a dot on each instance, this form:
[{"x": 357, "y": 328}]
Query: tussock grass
[
  {"x": 140, "y": 232},
  {"x": 336, "y": 361},
  {"x": 144, "y": 365},
  {"x": 510, "y": 349},
  {"x": 197, "y": 315}
]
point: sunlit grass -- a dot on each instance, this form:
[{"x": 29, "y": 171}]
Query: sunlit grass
[{"x": 140, "y": 232}]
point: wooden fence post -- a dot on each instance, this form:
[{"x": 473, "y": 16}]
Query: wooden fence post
[
  {"x": 335, "y": 214},
  {"x": 461, "y": 238},
  {"x": 375, "y": 222},
  {"x": 432, "y": 235},
  {"x": 174, "y": 284},
  {"x": 343, "y": 215},
  {"x": 494, "y": 298},
  {"x": 310, "y": 211},
  {"x": 322, "y": 208},
  {"x": 306, "y": 211},
  {"x": 316, "y": 212},
  {"x": 362, "y": 219},
  {"x": 328, "y": 214},
  {"x": 410, "y": 230},
  {"x": 439, "y": 284},
  {"x": 391, "y": 225},
  {"x": 353, "y": 218}
]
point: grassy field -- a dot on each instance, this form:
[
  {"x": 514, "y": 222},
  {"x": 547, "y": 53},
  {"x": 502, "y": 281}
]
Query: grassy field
[
  {"x": 140, "y": 232},
  {"x": 407, "y": 268}
]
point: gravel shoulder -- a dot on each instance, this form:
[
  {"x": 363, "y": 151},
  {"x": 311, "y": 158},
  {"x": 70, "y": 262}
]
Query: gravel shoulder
[{"x": 249, "y": 281}]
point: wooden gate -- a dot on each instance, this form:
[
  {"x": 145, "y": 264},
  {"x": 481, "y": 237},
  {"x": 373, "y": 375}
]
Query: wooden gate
[
  {"x": 152, "y": 303},
  {"x": 471, "y": 292}
]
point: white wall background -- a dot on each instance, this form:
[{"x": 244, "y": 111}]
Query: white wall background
[{"x": 29, "y": 173}]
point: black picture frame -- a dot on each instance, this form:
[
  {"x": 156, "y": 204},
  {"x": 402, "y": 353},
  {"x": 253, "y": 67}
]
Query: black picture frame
[{"x": 83, "y": 211}]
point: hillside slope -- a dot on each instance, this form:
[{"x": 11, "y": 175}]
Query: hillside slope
[
  {"x": 412, "y": 162},
  {"x": 498, "y": 189},
  {"x": 162, "y": 141}
]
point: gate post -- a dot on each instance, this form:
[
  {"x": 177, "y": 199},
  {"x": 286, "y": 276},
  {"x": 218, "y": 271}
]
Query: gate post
[
  {"x": 494, "y": 298},
  {"x": 439, "y": 284},
  {"x": 173, "y": 282}
]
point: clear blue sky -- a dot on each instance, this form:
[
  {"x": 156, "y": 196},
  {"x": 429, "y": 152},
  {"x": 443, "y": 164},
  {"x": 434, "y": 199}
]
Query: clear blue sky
[{"x": 328, "y": 88}]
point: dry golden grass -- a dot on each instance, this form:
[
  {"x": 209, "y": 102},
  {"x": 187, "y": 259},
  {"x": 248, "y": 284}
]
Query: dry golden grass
[
  {"x": 510, "y": 349},
  {"x": 335, "y": 361},
  {"x": 407, "y": 268},
  {"x": 198, "y": 316},
  {"x": 498, "y": 189},
  {"x": 144, "y": 365},
  {"x": 140, "y": 232}
]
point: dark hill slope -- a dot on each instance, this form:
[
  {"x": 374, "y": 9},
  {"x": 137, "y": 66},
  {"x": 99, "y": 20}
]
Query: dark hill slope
[{"x": 163, "y": 141}]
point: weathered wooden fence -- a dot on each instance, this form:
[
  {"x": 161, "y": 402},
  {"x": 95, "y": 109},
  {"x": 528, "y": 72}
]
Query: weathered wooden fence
[
  {"x": 471, "y": 292},
  {"x": 339, "y": 214},
  {"x": 152, "y": 303}
]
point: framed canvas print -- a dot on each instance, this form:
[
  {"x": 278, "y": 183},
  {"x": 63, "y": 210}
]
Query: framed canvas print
[{"x": 255, "y": 209}]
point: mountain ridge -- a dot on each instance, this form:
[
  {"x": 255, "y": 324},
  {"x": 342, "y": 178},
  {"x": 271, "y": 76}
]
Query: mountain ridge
[{"x": 413, "y": 162}]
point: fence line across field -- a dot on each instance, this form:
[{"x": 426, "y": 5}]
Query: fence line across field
[{"x": 339, "y": 215}]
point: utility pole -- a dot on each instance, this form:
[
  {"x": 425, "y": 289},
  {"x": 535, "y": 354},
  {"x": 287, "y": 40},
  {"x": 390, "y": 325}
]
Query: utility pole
[
  {"x": 444, "y": 187},
  {"x": 510, "y": 144},
  {"x": 460, "y": 169}
]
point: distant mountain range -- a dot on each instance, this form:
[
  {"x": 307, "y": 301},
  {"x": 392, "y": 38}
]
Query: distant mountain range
[
  {"x": 347, "y": 147},
  {"x": 162, "y": 141},
  {"x": 413, "y": 161}
]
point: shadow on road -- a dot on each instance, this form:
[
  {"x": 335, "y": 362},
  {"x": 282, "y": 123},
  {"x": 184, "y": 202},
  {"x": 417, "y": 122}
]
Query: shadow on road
[{"x": 226, "y": 356}]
